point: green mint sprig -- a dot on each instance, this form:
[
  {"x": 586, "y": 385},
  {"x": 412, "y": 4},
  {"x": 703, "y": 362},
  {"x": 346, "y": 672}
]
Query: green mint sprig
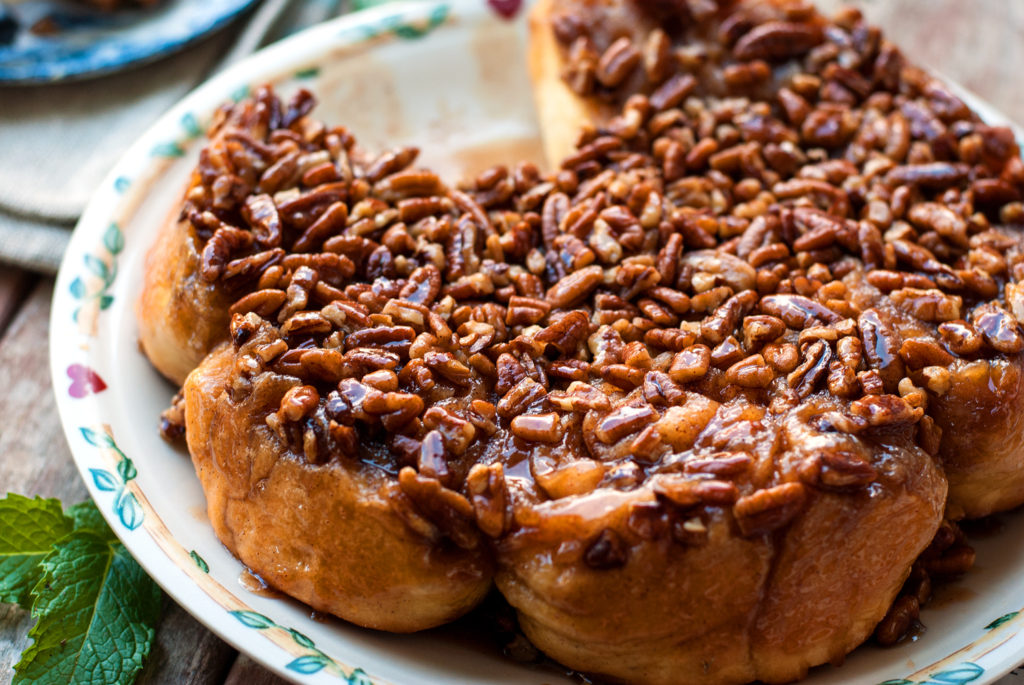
[{"x": 95, "y": 608}]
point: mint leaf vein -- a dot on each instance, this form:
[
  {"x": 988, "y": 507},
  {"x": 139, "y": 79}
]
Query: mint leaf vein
[{"x": 28, "y": 529}]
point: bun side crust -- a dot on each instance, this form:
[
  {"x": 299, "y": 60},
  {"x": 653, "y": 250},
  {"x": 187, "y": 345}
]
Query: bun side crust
[
  {"x": 560, "y": 111},
  {"x": 669, "y": 610},
  {"x": 181, "y": 317},
  {"x": 740, "y": 604},
  {"x": 842, "y": 563},
  {"x": 322, "y": 534},
  {"x": 982, "y": 418}
]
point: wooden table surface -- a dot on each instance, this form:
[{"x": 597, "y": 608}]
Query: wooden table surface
[{"x": 979, "y": 43}]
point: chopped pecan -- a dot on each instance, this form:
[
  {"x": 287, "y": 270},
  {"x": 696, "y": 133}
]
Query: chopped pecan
[
  {"x": 770, "y": 509},
  {"x": 774, "y": 40},
  {"x": 837, "y": 470},
  {"x": 519, "y": 398},
  {"x": 805, "y": 378},
  {"x": 885, "y": 410},
  {"x": 536, "y": 427},
  {"x": 961, "y": 337},
  {"x": 797, "y": 311},
  {"x": 624, "y": 421},
  {"x": 489, "y": 496},
  {"x": 449, "y": 511},
  {"x": 574, "y": 287},
  {"x": 607, "y": 551},
  {"x": 999, "y": 328}
]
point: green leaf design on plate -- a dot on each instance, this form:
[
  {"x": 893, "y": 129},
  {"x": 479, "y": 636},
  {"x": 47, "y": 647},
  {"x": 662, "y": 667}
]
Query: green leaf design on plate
[
  {"x": 128, "y": 509},
  {"x": 301, "y": 639},
  {"x": 306, "y": 664},
  {"x": 169, "y": 150},
  {"x": 898, "y": 681},
  {"x": 252, "y": 619},
  {"x": 97, "y": 267},
  {"x": 411, "y": 31},
  {"x": 311, "y": 663},
  {"x": 77, "y": 288},
  {"x": 113, "y": 239},
  {"x": 96, "y": 438},
  {"x": 359, "y": 677},
  {"x": 1001, "y": 620},
  {"x": 104, "y": 480},
  {"x": 102, "y": 269},
  {"x": 310, "y": 72},
  {"x": 126, "y": 469},
  {"x": 191, "y": 125},
  {"x": 199, "y": 561},
  {"x": 964, "y": 673},
  {"x": 28, "y": 528},
  {"x": 126, "y": 505},
  {"x": 95, "y": 609}
]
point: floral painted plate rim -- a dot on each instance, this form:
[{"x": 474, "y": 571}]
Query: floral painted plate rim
[{"x": 83, "y": 297}]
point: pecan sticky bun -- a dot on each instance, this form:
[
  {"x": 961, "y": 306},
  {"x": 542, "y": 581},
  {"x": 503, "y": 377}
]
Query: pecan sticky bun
[{"x": 698, "y": 402}]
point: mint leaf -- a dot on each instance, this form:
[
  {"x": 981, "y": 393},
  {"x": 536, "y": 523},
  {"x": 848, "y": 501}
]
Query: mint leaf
[
  {"x": 28, "y": 527},
  {"x": 85, "y": 516},
  {"x": 95, "y": 609}
]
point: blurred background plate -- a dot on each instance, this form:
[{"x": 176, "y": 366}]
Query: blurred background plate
[{"x": 71, "y": 40}]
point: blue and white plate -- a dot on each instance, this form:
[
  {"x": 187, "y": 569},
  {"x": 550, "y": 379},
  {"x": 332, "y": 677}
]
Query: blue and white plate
[{"x": 86, "y": 42}]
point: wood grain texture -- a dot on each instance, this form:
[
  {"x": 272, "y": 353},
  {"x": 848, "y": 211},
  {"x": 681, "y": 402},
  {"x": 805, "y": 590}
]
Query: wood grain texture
[
  {"x": 34, "y": 457},
  {"x": 248, "y": 672},
  {"x": 979, "y": 44},
  {"x": 185, "y": 652}
]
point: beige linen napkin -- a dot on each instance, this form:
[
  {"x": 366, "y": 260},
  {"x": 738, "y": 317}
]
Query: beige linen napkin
[{"x": 58, "y": 141}]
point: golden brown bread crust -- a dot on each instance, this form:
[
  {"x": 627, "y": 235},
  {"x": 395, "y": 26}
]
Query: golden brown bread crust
[
  {"x": 670, "y": 610},
  {"x": 561, "y": 113},
  {"x": 729, "y": 608},
  {"x": 181, "y": 317},
  {"x": 323, "y": 534},
  {"x": 835, "y": 573},
  {"x": 982, "y": 417}
]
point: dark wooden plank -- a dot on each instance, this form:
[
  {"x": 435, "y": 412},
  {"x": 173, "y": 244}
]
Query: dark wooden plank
[
  {"x": 14, "y": 288},
  {"x": 247, "y": 672},
  {"x": 185, "y": 652},
  {"x": 35, "y": 457}
]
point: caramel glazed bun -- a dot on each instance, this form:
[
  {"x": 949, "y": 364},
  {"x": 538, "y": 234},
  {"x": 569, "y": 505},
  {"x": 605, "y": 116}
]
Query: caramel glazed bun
[
  {"x": 826, "y": 114},
  {"x": 681, "y": 397}
]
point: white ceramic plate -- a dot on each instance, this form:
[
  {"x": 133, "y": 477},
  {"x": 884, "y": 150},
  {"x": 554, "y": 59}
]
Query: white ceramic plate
[{"x": 450, "y": 77}]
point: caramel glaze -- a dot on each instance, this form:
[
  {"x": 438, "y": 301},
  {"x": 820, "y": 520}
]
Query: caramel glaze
[
  {"x": 807, "y": 62},
  {"x": 690, "y": 433},
  {"x": 683, "y": 590}
]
